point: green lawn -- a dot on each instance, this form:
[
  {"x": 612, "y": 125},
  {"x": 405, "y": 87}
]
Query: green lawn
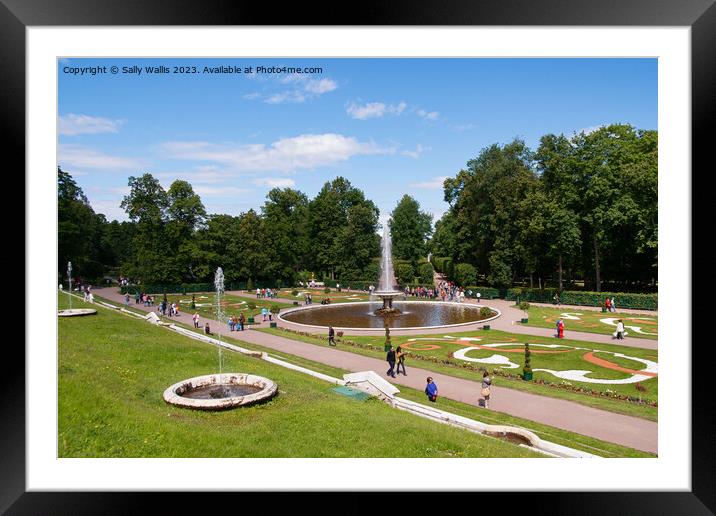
[
  {"x": 444, "y": 348},
  {"x": 556, "y": 435},
  {"x": 113, "y": 370},
  {"x": 590, "y": 321}
]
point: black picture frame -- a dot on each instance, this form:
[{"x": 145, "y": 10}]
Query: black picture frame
[{"x": 700, "y": 15}]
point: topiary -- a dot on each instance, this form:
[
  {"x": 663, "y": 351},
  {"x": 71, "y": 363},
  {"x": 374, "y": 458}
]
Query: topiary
[{"x": 527, "y": 370}]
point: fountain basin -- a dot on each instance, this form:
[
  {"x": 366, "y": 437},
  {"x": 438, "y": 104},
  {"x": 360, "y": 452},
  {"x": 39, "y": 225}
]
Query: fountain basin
[
  {"x": 415, "y": 315},
  {"x": 73, "y": 312},
  {"x": 220, "y": 391}
]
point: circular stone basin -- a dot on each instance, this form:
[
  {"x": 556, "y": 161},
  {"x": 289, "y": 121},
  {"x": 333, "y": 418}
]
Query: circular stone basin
[
  {"x": 413, "y": 314},
  {"x": 73, "y": 312},
  {"x": 220, "y": 391}
]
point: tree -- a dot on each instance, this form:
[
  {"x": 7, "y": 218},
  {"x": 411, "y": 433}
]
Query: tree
[
  {"x": 410, "y": 230},
  {"x": 79, "y": 230},
  {"x": 328, "y": 218},
  {"x": 146, "y": 205},
  {"x": 285, "y": 214},
  {"x": 185, "y": 214}
]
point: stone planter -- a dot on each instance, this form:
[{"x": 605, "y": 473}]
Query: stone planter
[
  {"x": 524, "y": 320},
  {"x": 251, "y": 320},
  {"x": 486, "y": 327},
  {"x": 527, "y": 376},
  {"x": 272, "y": 325}
]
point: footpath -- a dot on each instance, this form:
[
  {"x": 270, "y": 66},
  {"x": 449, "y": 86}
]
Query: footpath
[{"x": 616, "y": 428}]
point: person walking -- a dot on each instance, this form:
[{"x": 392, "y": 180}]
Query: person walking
[
  {"x": 560, "y": 329},
  {"x": 619, "y": 334},
  {"x": 242, "y": 320},
  {"x": 331, "y": 335},
  {"x": 607, "y": 305},
  {"x": 126, "y": 299},
  {"x": 485, "y": 392},
  {"x": 614, "y": 304},
  {"x": 196, "y": 319},
  {"x": 207, "y": 330},
  {"x": 431, "y": 390},
  {"x": 390, "y": 357},
  {"x": 400, "y": 355}
]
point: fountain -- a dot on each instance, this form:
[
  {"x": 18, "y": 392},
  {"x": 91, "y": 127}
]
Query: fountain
[
  {"x": 224, "y": 390},
  {"x": 386, "y": 285},
  {"x": 76, "y": 311},
  {"x": 391, "y": 315}
]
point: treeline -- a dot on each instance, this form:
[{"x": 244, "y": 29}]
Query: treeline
[
  {"x": 577, "y": 208},
  {"x": 170, "y": 239}
]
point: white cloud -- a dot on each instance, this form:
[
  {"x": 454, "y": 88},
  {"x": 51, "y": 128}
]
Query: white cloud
[
  {"x": 276, "y": 182},
  {"x": 110, "y": 209},
  {"x": 305, "y": 89},
  {"x": 70, "y": 155},
  {"x": 305, "y": 151},
  {"x": 428, "y": 115},
  {"x": 72, "y": 124},
  {"x": 419, "y": 149},
  {"x": 374, "y": 110},
  {"x": 434, "y": 184}
]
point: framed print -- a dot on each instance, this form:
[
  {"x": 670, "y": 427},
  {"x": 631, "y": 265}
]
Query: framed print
[{"x": 476, "y": 185}]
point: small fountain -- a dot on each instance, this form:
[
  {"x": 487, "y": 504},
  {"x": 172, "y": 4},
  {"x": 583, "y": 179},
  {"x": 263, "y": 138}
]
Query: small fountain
[
  {"x": 386, "y": 285},
  {"x": 224, "y": 390},
  {"x": 76, "y": 311}
]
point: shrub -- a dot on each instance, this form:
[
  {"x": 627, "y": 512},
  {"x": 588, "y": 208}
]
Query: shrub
[
  {"x": 404, "y": 273},
  {"x": 426, "y": 273},
  {"x": 274, "y": 309},
  {"x": 567, "y": 297},
  {"x": 251, "y": 305},
  {"x": 327, "y": 290},
  {"x": 249, "y": 285},
  {"x": 485, "y": 312},
  {"x": 465, "y": 274}
]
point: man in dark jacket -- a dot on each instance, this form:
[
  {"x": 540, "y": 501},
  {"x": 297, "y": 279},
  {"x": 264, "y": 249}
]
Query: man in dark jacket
[
  {"x": 391, "y": 361},
  {"x": 331, "y": 335}
]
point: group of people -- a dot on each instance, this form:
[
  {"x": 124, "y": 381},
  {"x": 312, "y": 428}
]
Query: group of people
[
  {"x": 262, "y": 293},
  {"x": 235, "y": 323},
  {"x": 610, "y": 304},
  {"x": 308, "y": 298},
  {"x": 421, "y": 292},
  {"x": 396, "y": 356},
  {"x": 448, "y": 291}
]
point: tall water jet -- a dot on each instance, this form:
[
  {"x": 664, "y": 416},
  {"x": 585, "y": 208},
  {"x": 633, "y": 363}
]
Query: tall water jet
[
  {"x": 219, "y": 284},
  {"x": 69, "y": 277},
  {"x": 386, "y": 283}
]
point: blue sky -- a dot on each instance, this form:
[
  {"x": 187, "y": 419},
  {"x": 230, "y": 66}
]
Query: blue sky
[{"x": 391, "y": 126}]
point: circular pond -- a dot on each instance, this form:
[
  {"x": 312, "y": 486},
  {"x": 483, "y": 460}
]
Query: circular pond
[
  {"x": 220, "y": 391},
  {"x": 413, "y": 314}
]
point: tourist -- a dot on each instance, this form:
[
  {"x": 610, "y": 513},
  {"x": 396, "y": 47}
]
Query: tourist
[
  {"x": 390, "y": 357},
  {"x": 607, "y": 305},
  {"x": 242, "y": 320},
  {"x": 137, "y": 297},
  {"x": 331, "y": 334},
  {"x": 90, "y": 297},
  {"x": 196, "y": 319},
  {"x": 560, "y": 329},
  {"x": 230, "y": 323},
  {"x": 619, "y": 334},
  {"x": 486, "y": 383},
  {"x": 176, "y": 309},
  {"x": 207, "y": 330},
  {"x": 193, "y": 302},
  {"x": 614, "y": 304},
  {"x": 60, "y": 287},
  {"x": 264, "y": 311},
  {"x": 126, "y": 299},
  {"x": 400, "y": 355},
  {"x": 431, "y": 390},
  {"x": 258, "y": 293},
  {"x": 556, "y": 299}
]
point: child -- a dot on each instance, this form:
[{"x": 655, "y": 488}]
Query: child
[{"x": 431, "y": 390}]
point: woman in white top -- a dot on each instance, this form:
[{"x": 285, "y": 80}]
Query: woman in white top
[{"x": 620, "y": 330}]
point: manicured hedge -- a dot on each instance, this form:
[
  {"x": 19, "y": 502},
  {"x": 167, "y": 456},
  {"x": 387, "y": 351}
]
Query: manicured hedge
[
  {"x": 623, "y": 300},
  {"x": 444, "y": 265},
  {"x": 485, "y": 292}
]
